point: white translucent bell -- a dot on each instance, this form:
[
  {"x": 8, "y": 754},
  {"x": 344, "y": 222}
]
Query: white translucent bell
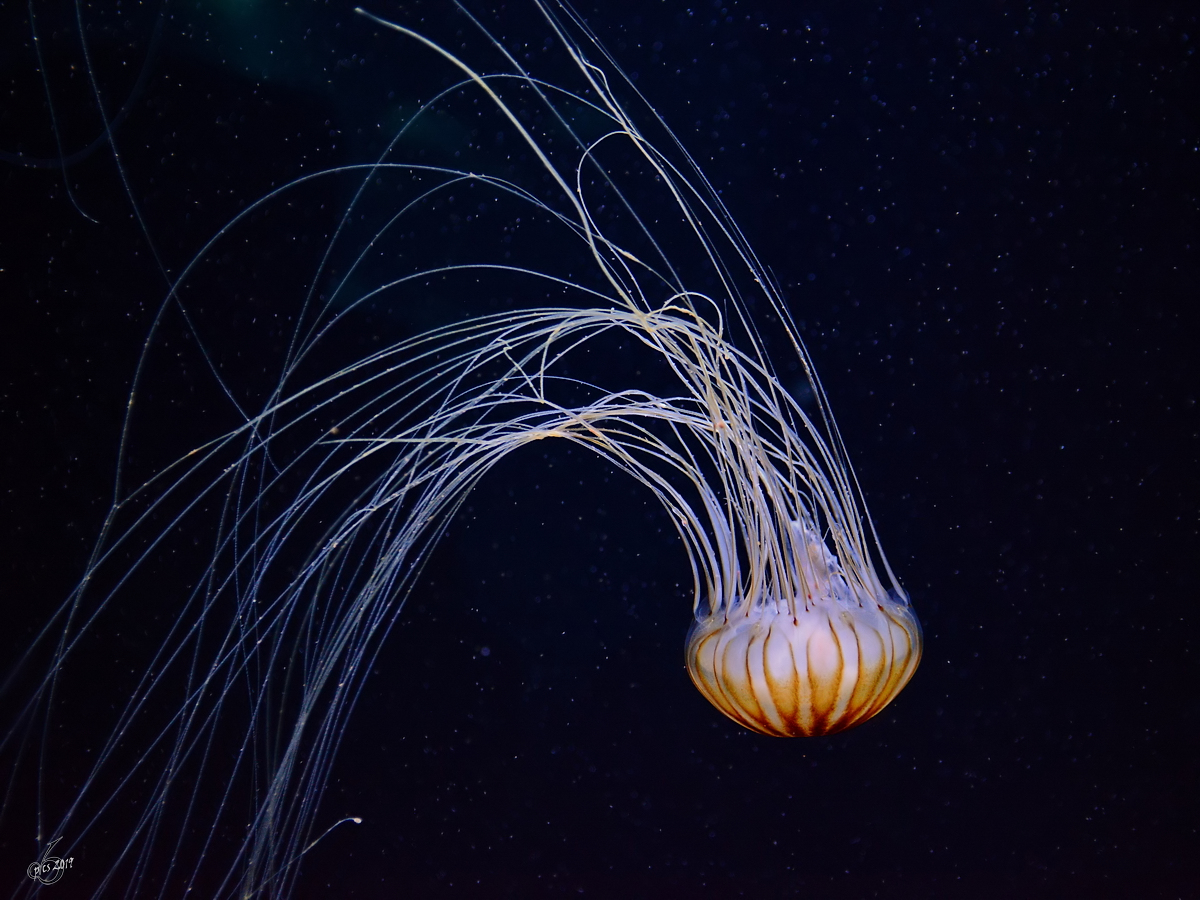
[{"x": 824, "y": 666}]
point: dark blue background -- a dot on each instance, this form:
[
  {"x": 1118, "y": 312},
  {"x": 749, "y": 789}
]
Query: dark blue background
[{"x": 985, "y": 219}]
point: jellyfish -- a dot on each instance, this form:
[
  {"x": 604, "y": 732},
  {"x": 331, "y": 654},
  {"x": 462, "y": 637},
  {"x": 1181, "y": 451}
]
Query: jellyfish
[{"x": 317, "y": 509}]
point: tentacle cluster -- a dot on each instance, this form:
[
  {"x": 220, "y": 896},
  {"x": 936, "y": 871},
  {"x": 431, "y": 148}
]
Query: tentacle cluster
[{"x": 322, "y": 506}]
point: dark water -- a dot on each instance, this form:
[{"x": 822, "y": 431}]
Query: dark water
[{"x": 986, "y": 220}]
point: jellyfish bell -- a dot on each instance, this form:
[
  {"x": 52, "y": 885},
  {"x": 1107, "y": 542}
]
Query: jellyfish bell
[{"x": 802, "y": 666}]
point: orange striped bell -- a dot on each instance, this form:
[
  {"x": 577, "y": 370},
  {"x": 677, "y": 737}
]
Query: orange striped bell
[{"x": 818, "y": 669}]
